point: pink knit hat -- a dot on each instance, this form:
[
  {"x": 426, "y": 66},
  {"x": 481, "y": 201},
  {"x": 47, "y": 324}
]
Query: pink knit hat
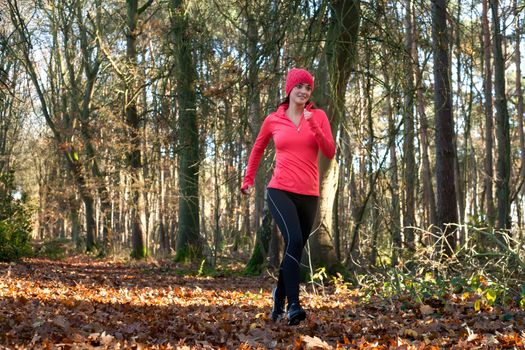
[{"x": 298, "y": 76}]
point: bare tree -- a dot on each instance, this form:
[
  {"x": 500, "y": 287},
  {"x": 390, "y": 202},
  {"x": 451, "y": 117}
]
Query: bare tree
[
  {"x": 519, "y": 97},
  {"x": 189, "y": 243},
  {"x": 502, "y": 123},
  {"x": 489, "y": 128},
  {"x": 59, "y": 128},
  {"x": 340, "y": 57},
  {"x": 447, "y": 215},
  {"x": 409, "y": 170},
  {"x": 133, "y": 120}
]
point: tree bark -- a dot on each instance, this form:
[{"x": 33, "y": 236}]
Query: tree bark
[
  {"x": 262, "y": 245},
  {"x": 133, "y": 121},
  {"x": 255, "y": 117},
  {"x": 409, "y": 170},
  {"x": 81, "y": 107},
  {"x": 429, "y": 198},
  {"x": 340, "y": 56},
  {"x": 254, "y": 106},
  {"x": 460, "y": 110},
  {"x": 371, "y": 140},
  {"x": 447, "y": 215},
  {"x": 489, "y": 114},
  {"x": 502, "y": 125},
  {"x": 189, "y": 243},
  {"x": 519, "y": 96},
  {"x": 395, "y": 210}
]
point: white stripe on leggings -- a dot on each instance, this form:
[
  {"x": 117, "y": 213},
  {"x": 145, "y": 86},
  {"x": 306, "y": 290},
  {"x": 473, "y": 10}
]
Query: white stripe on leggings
[{"x": 286, "y": 226}]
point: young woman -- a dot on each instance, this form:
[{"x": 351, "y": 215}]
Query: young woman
[{"x": 299, "y": 131}]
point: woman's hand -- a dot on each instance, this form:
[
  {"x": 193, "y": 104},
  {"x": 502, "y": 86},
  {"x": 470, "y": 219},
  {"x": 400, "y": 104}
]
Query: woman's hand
[
  {"x": 307, "y": 114},
  {"x": 246, "y": 190}
]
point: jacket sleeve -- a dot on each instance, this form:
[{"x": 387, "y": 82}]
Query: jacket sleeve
[
  {"x": 323, "y": 134},
  {"x": 257, "y": 152}
]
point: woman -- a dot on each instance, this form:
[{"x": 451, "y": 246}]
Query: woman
[{"x": 299, "y": 131}]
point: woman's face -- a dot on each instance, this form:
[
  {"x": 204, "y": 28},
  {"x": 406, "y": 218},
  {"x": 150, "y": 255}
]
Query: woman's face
[{"x": 300, "y": 94}]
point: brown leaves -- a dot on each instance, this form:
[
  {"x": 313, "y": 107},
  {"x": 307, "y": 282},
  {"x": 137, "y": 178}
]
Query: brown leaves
[
  {"x": 426, "y": 310},
  {"x": 312, "y": 343},
  {"x": 86, "y": 303}
]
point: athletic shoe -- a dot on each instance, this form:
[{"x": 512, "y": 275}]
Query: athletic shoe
[{"x": 296, "y": 314}]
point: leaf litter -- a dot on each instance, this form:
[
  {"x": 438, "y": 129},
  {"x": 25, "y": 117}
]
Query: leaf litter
[{"x": 83, "y": 303}]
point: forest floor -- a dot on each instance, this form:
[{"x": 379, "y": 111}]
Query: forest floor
[{"x": 84, "y": 303}]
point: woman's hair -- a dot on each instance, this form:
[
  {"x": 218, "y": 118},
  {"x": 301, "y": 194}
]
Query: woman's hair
[{"x": 286, "y": 100}]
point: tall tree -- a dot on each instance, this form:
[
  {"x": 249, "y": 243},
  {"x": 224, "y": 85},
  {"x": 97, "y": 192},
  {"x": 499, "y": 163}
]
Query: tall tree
[
  {"x": 254, "y": 97},
  {"x": 340, "y": 53},
  {"x": 447, "y": 215},
  {"x": 502, "y": 123},
  {"x": 489, "y": 114},
  {"x": 255, "y": 117},
  {"x": 429, "y": 199},
  {"x": 410, "y": 172},
  {"x": 60, "y": 128},
  {"x": 133, "y": 121},
  {"x": 80, "y": 101},
  {"x": 460, "y": 115},
  {"x": 189, "y": 243},
  {"x": 395, "y": 224},
  {"x": 91, "y": 61},
  {"x": 519, "y": 97},
  {"x": 11, "y": 115}
]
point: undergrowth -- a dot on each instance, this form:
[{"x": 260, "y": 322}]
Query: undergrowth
[{"x": 488, "y": 269}]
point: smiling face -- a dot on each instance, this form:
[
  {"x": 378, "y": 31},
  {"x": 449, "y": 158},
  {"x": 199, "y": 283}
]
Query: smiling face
[{"x": 300, "y": 94}]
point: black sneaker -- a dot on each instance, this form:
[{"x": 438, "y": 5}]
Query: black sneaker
[
  {"x": 296, "y": 314},
  {"x": 278, "y": 305}
]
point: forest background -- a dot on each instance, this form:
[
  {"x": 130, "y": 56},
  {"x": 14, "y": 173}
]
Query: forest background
[{"x": 126, "y": 126}]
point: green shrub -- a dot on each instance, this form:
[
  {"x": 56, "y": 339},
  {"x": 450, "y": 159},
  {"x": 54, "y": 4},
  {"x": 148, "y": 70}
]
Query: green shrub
[
  {"x": 15, "y": 224},
  {"x": 54, "y": 249}
]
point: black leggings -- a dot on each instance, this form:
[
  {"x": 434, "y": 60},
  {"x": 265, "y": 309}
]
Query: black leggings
[{"x": 294, "y": 214}]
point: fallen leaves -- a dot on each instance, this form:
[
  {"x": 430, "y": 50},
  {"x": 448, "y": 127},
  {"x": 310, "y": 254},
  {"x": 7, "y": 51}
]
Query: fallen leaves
[
  {"x": 312, "y": 343},
  {"x": 84, "y": 303},
  {"x": 426, "y": 310}
]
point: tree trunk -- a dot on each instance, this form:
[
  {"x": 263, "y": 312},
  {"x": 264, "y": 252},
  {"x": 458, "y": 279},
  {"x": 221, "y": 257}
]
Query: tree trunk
[
  {"x": 489, "y": 126},
  {"x": 374, "y": 214},
  {"x": 519, "y": 105},
  {"x": 262, "y": 243},
  {"x": 460, "y": 110},
  {"x": 74, "y": 207},
  {"x": 429, "y": 199},
  {"x": 255, "y": 118},
  {"x": 189, "y": 243},
  {"x": 81, "y": 106},
  {"x": 217, "y": 236},
  {"x": 447, "y": 215},
  {"x": 409, "y": 170},
  {"x": 73, "y": 162},
  {"x": 340, "y": 56},
  {"x": 502, "y": 125},
  {"x": 395, "y": 223},
  {"x": 133, "y": 121},
  {"x": 254, "y": 107}
]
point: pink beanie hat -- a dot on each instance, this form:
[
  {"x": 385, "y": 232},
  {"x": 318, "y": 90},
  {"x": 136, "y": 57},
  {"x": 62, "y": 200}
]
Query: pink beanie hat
[{"x": 298, "y": 76}]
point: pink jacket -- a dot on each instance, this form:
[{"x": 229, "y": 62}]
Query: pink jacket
[{"x": 296, "y": 149}]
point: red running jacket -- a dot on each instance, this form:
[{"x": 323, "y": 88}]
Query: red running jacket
[{"x": 296, "y": 149}]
